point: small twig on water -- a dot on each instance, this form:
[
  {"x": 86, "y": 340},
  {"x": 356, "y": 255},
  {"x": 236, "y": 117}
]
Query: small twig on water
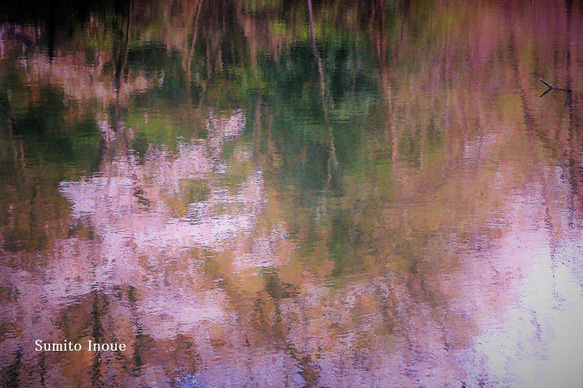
[{"x": 551, "y": 87}]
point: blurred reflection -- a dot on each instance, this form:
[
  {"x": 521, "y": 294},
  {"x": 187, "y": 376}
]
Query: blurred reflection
[{"x": 292, "y": 194}]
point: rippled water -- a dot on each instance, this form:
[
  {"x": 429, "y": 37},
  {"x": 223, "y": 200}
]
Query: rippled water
[{"x": 269, "y": 193}]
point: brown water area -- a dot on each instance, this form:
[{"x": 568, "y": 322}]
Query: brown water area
[{"x": 270, "y": 193}]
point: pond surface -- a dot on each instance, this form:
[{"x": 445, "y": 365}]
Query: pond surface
[{"x": 292, "y": 193}]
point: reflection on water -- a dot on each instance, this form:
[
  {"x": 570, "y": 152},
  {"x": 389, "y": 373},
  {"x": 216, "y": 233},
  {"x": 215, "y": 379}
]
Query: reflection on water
[{"x": 292, "y": 194}]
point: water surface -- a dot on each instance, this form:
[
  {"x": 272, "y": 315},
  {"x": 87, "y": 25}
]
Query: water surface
[{"x": 269, "y": 193}]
